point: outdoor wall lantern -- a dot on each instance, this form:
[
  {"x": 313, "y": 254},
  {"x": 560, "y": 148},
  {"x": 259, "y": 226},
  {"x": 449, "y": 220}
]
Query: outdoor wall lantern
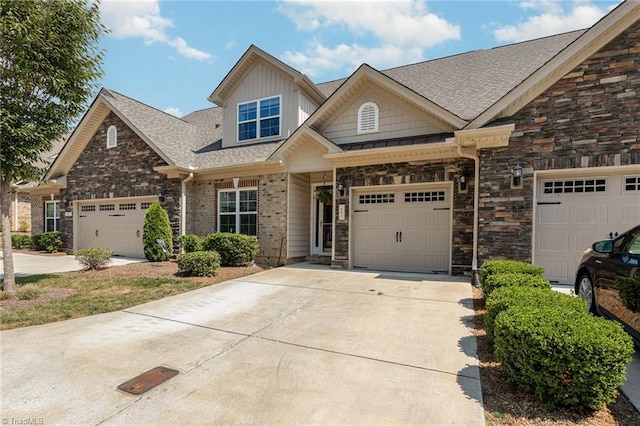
[
  {"x": 160, "y": 194},
  {"x": 65, "y": 200},
  {"x": 342, "y": 188},
  {"x": 462, "y": 183},
  {"x": 517, "y": 175}
]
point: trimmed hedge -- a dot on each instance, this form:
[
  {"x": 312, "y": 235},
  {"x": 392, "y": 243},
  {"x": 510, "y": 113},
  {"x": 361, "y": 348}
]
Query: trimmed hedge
[
  {"x": 198, "y": 263},
  {"x": 629, "y": 292},
  {"x": 503, "y": 266},
  {"x": 563, "y": 357},
  {"x": 48, "y": 241},
  {"x": 510, "y": 279},
  {"x": 234, "y": 249},
  {"x": 190, "y": 243},
  {"x": 20, "y": 241},
  {"x": 156, "y": 227},
  {"x": 94, "y": 258},
  {"x": 505, "y": 298}
]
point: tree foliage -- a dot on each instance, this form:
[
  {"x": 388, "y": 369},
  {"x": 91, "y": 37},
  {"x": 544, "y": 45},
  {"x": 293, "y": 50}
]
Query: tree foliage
[
  {"x": 49, "y": 65},
  {"x": 157, "y": 227}
]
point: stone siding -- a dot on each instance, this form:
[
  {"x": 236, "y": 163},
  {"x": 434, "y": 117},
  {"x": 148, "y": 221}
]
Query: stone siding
[
  {"x": 589, "y": 118},
  {"x": 123, "y": 171},
  {"x": 427, "y": 172}
]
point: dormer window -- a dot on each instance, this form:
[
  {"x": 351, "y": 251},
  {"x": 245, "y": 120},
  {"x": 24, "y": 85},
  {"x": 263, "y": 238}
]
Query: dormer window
[
  {"x": 112, "y": 137},
  {"x": 368, "y": 117},
  {"x": 259, "y": 119}
]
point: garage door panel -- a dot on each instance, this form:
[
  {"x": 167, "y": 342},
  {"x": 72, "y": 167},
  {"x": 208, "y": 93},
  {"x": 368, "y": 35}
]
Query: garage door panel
[
  {"x": 554, "y": 214},
  {"x": 631, "y": 214},
  {"x": 551, "y": 241},
  {"x": 586, "y": 214}
]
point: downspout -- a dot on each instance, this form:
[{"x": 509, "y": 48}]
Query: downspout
[
  {"x": 183, "y": 204},
  {"x": 475, "y": 277}
]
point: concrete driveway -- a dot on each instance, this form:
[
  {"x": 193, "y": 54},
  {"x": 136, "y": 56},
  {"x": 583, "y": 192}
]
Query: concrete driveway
[
  {"x": 294, "y": 345},
  {"x": 32, "y": 264}
]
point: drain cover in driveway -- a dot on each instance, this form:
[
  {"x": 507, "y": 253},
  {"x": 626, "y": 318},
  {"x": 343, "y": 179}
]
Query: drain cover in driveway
[{"x": 148, "y": 380}]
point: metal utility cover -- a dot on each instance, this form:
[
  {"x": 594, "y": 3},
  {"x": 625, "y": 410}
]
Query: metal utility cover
[{"x": 148, "y": 380}]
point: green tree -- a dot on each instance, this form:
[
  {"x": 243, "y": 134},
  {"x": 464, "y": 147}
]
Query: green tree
[
  {"x": 50, "y": 63},
  {"x": 157, "y": 227}
]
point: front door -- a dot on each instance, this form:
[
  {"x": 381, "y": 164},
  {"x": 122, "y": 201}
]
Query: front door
[{"x": 323, "y": 224}]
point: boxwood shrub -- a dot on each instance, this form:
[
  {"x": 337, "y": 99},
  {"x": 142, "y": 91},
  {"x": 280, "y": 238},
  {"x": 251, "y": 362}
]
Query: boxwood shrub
[
  {"x": 48, "y": 241},
  {"x": 157, "y": 227},
  {"x": 198, "y": 263},
  {"x": 509, "y": 279},
  {"x": 190, "y": 243},
  {"x": 20, "y": 241},
  {"x": 504, "y": 298},
  {"x": 503, "y": 266},
  {"x": 563, "y": 357},
  {"x": 234, "y": 249},
  {"x": 94, "y": 258}
]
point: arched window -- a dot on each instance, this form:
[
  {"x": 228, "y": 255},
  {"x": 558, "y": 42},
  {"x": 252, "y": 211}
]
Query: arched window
[
  {"x": 112, "y": 137},
  {"x": 368, "y": 117}
]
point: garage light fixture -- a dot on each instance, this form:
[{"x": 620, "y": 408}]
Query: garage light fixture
[
  {"x": 342, "y": 188},
  {"x": 65, "y": 200},
  {"x": 160, "y": 194},
  {"x": 516, "y": 174},
  {"x": 462, "y": 183}
]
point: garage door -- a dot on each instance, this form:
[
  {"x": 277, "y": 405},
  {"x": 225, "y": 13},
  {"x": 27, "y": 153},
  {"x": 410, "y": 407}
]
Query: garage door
[
  {"x": 402, "y": 229},
  {"x": 113, "y": 224},
  {"x": 574, "y": 212}
]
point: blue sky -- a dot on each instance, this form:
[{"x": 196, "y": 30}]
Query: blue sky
[{"x": 172, "y": 54}]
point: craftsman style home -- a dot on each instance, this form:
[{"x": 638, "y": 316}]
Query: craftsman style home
[{"x": 528, "y": 151}]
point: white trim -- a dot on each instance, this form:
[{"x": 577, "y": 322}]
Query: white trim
[
  {"x": 376, "y": 118},
  {"x": 238, "y": 212},
  {"x": 46, "y": 217},
  {"x": 314, "y": 219},
  {"x": 258, "y": 119}
]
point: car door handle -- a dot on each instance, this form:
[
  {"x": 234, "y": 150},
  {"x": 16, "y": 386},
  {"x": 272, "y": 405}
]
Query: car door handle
[
  {"x": 96, "y": 232},
  {"x": 599, "y": 262},
  {"x": 400, "y": 236},
  {"x": 397, "y": 237}
]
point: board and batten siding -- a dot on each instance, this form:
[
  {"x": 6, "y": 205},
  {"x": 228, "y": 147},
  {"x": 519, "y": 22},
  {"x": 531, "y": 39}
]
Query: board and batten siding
[
  {"x": 262, "y": 81},
  {"x": 298, "y": 232},
  {"x": 397, "y": 119},
  {"x": 306, "y": 107}
]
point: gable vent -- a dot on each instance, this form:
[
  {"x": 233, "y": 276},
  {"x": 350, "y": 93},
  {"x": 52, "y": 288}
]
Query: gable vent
[
  {"x": 368, "y": 117},
  {"x": 112, "y": 137}
]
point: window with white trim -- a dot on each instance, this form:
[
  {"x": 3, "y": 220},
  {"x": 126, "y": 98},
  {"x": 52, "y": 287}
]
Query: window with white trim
[
  {"x": 112, "y": 137},
  {"x": 238, "y": 211},
  {"x": 574, "y": 186},
  {"x": 52, "y": 216},
  {"x": 368, "y": 117},
  {"x": 259, "y": 119},
  {"x": 424, "y": 196},
  {"x": 631, "y": 183},
  {"x": 389, "y": 198}
]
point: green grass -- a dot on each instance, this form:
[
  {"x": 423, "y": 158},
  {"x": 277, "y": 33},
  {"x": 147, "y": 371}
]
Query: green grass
[{"x": 90, "y": 296}]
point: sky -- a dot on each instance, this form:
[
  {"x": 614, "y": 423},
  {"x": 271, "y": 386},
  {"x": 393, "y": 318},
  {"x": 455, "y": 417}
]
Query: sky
[{"x": 173, "y": 54}]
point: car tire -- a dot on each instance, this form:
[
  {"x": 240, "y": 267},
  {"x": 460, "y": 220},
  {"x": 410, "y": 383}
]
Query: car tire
[{"x": 584, "y": 290}]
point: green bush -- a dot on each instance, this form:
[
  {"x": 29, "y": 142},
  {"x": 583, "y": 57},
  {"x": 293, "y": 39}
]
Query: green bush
[
  {"x": 190, "y": 243},
  {"x": 510, "y": 279},
  {"x": 502, "y": 266},
  {"x": 629, "y": 292},
  {"x": 94, "y": 258},
  {"x": 48, "y": 241},
  {"x": 20, "y": 241},
  {"x": 504, "y": 298},
  {"x": 561, "y": 356},
  {"x": 198, "y": 263},
  {"x": 234, "y": 249},
  {"x": 156, "y": 227},
  {"x": 29, "y": 292}
]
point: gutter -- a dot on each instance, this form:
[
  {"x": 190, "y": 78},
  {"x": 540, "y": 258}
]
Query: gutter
[
  {"x": 183, "y": 204},
  {"x": 475, "y": 277}
]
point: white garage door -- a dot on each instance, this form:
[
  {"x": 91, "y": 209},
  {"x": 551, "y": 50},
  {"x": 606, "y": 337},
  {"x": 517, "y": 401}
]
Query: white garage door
[
  {"x": 402, "y": 229},
  {"x": 574, "y": 212},
  {"x": 113, "y": 224}
]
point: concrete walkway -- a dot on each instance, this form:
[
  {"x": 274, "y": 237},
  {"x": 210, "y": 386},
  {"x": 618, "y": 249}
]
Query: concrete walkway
[
  {"x": 293, "y": 345},
  {"x": 33, "y": 264}
]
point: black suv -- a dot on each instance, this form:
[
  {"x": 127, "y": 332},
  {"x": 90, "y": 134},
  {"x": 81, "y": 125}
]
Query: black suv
[{"x": 608, "y": 279}]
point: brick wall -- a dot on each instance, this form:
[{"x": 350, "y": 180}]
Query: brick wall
[{"x": 589, "y": 118}]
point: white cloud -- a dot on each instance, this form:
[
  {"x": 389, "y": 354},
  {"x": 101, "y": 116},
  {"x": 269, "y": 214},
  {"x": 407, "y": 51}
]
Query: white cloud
[
  {"x": 142, "y": 18},
  {"x": 401, "y": 29},
  {"x": 230, "y": 45},
  {"x": 551, "y": 17},
  {"x": 173, "y": 111}
]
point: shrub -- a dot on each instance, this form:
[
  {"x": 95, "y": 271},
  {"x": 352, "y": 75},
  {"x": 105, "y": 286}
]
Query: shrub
[
  {"x": 561, "y": 356},
  {"x": 190, "y": 243},
  {"x": 509, "y": 279},
  {"x": 504, "y": 298},
  {"x": 503, "y": 266},
  {"x": 94, "y": 258},
  {"x": 156, "y": 227},
  {"x": 4, "y": 295},
  {"x": 198, "y": 263},
  {"x": 20, "y": 241},
  {"x": 48, "y": 241},
  {"x": 29, "y": 292},
  {"x": 629, "y": 292},
  {"x": 234, "y": 249}
]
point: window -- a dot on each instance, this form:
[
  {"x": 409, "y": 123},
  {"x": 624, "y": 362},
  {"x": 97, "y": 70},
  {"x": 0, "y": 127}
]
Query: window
[
  {"x": 574, "y": 186},
  {"x": 52, "y": 216},
  {"x": 368, "y": 117},
  {"x": 91, "y": 208},
  {"x": 127, "y": 206},
  {"x": 145, "y": 205},
  {"x": 112, "y": 137},
  {"x": 631, "y": 183},
  {"x": 259, "y": 119},
  {"x": 107, "y": 207},
  {"x": 424, "y": 196},
  {"x": 238, "y": 211},
  {"x": 377, "y": 198}
]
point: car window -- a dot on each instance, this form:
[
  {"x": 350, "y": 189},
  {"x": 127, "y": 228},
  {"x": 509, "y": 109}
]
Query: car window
[{"x": 634, "y": 244}]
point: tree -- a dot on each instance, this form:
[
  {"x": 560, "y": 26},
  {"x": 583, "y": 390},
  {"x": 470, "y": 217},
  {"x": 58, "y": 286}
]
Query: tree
[
  {"x": 50, "y": 66},
  {"x": 157, "y": 227}
]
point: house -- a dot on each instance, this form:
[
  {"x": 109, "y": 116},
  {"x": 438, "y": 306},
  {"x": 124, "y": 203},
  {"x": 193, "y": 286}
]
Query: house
[{"x": 528, "y": 151}]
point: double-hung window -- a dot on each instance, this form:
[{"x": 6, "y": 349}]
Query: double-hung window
[
  {"x": 238, "y": 211},
  {"x": 259, "y": 119},
  {"x": 52, "y": 216}
]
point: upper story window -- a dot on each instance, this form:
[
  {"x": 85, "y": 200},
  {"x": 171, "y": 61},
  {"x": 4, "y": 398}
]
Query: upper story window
[
  {"x": 112, "y": 137},
  {"x": 259, "y": 119},
  {"x": 368, "y": 117}
]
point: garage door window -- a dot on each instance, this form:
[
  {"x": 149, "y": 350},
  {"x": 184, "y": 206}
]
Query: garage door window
[
  {"x": 632, "y": 183},
  {"x": 424, "y": 196},
  {"x": 238, "y": 211},
  {"x": 377, "y": 198},
  {"x": 52, "y": 216},
  {"x": 577, "y": 186}
]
